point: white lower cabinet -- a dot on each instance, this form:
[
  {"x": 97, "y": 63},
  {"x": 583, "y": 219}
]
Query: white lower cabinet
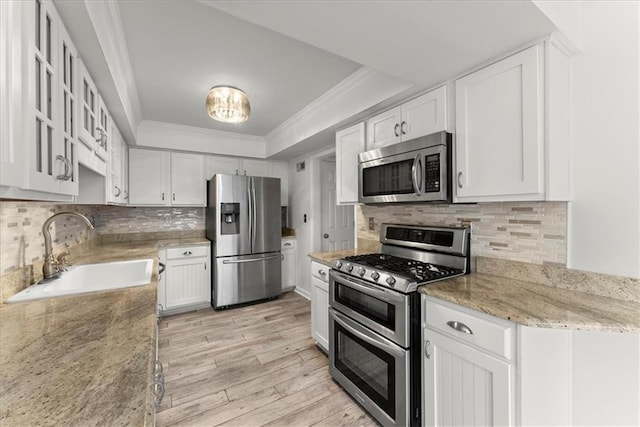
[
  {"x": 185, "y": 283},
  {"x": 468, "y": 367},
  {"x": 320, "y": 304},
  {"x": 288, "y": 249}
]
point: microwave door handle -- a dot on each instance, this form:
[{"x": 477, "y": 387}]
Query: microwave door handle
[{"x": 417, "y": 162}]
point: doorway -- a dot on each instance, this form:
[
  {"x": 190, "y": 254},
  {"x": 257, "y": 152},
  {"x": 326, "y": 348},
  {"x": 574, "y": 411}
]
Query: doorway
[{"x": 337, "y": 223}]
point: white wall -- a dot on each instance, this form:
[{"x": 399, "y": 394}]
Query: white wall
[
  {"x": 604, "y": 218},
  {"x": 299, "y": 205}
]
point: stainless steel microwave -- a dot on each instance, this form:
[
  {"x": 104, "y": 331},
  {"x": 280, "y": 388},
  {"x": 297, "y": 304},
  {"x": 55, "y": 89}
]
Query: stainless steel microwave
[{"x": 414, "y": 171}]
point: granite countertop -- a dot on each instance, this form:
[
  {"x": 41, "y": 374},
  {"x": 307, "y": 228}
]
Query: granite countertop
[
  {"x": 556, "y": 301},
  {"x": 538, "y": 305},
  {"x": 83, "y": 359},
  {"x": 330, "y": 258}
]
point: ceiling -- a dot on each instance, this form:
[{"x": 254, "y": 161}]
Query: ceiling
[
  {"x": 180, "y": 49},
  {"x": 287, "y": 54}
]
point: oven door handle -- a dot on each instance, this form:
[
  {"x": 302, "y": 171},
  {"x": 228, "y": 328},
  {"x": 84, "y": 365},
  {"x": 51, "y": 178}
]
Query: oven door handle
[
  {"x": 414, "y": 174},
  {"x": 377, "y": 342},
  {"x": 366, "y": 288}
]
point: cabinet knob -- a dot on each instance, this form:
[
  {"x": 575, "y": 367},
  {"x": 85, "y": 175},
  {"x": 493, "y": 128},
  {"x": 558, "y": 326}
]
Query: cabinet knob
[{"x": 325, "y": 235}]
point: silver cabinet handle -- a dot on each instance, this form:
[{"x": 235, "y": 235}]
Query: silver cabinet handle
[
  {"x": 242, "y": 261},
  {"x": 174, "y": 197},
  {"x": 187, "y": 253},
  {"x": 236, "y": 171},
  {"x": 162, "y": 196},
  {"x": 118, "y": 191},
  {"x": 402, "y": 127},
  {"x": 426, "y": 349},
  {"x": 322, "y": 273},
  {"x": 460, "y": 327},
  {"x": 126, "y": 194},
  {"x": 159, "y": 314},
  {"x": 67, "y": 163},
  {"x": 287, "y": 244},
  {"x": 282, "y": 257},
  {"x": 460, "y": 179},
  {"x": 395, "y": 129},
  {"x": 102, "y": 139}
]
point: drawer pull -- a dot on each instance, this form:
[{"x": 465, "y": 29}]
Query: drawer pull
[
  {"x": 322, "y": 273},
  {"x": 460, "y": 327},
  {"x": 187, "y": 253}
]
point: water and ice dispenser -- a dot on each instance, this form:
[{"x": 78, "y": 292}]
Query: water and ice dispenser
[{"x": 229, "y": 218}]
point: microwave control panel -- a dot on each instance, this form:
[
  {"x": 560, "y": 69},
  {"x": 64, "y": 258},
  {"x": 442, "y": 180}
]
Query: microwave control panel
[{"x": 432, "y": 173}]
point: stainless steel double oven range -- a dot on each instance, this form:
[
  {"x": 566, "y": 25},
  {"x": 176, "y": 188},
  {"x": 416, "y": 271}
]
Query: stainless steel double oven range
[{"x": 374, "y": 316}]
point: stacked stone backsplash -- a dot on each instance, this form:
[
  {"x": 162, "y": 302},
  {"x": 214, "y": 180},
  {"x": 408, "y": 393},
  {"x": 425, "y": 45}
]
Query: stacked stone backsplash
[
  {"x": 533, "y": 232},
  {"x": 22, "y": 243}
]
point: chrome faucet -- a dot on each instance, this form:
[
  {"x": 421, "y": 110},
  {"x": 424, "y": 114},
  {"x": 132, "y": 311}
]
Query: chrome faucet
[{"x": 50, "y": 267}]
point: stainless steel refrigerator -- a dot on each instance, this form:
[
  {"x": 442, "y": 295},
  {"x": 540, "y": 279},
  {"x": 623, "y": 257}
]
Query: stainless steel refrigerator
[{"x": 244, "y": 225}]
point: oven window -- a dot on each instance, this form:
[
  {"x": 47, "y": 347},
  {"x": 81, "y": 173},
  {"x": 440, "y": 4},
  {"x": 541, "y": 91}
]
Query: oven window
[
  {"x": 377, "y": 310},
  {"x": 367, "y": 367},
  {"x": 392, "y": 178}
]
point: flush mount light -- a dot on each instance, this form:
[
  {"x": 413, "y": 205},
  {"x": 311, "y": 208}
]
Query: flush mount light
[{"x": 228, "y": 104}]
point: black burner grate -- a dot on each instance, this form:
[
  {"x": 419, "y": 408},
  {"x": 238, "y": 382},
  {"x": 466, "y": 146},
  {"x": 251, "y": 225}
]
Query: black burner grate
[{"x": 420, "y": 271}]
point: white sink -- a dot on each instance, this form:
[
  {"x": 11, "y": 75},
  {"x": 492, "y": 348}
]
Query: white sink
[{"x": 82, "y": 279}]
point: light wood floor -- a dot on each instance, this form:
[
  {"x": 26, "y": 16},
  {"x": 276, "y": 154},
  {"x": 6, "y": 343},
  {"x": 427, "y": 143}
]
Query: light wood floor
[{"x": 250, "y": 366}]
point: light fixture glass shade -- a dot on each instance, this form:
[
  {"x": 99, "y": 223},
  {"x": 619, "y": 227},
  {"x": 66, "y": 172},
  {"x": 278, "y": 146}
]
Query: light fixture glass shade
[{"x": 228, "y": 104}]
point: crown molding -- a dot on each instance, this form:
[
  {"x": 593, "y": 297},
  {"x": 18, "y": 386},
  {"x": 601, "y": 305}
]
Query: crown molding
[
  {"x": 164, "y": 135},
  {"x": 107, "y": 24},
  {"x": 361, "y": 90}
]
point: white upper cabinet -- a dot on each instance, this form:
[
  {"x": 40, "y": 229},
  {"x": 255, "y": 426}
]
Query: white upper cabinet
[
  {"x": 281, "y": 170},
  {"x": 223, "y": 165},
  {"x": 254, "y": 167},
  {"x": 161, "y": 178},
  {"x": 187, "y": 185},
  {"x": 37, "y": 147},
  {"x": 500, "y": 130},
  {"x": 94, "y": 117},
  {"x": 420, "y": 116},
  {"x": 349, "y": 143}
]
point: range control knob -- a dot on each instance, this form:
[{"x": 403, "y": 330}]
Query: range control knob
[
  {"x": 375, "y": 275},
  {"x": 338, "y": 264},
  {"x": 361, "y": 271},
  {"x": 349, "y": 268},
  {"x": 391, "y": 280}
]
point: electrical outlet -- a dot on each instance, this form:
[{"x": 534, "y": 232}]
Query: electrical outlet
[{"x": 371, "y": 223}]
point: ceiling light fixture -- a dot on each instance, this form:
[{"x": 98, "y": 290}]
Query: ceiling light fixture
[{"x": 228, "y": 104}]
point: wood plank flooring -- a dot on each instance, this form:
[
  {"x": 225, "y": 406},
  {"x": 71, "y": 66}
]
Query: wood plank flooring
[{"x": 251, "y": 366}]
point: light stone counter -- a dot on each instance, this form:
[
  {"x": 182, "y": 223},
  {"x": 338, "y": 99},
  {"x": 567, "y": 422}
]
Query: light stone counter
[
  {"x": 538, "y": 305},
  {"x": 330, "y": 258},
  {"x": 85, "y": 359}
]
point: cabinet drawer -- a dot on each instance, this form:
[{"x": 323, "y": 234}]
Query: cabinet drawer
[
  {"x": 288, "y": 244},
  {"x": 186, "y": 252},
  {"x": 320, "y": 271},
  {"x": 488, "y": 333}
]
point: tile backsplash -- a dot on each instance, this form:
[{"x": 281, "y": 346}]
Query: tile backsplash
[
  {"x": 533, "y": 232},
  {"x": 22, "y": 243}
]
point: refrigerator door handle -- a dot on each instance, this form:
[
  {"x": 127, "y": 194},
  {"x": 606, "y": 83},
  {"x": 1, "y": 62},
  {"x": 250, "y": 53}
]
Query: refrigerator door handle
[
  {"x": 250, "y": 206},
  {"x": 241, "y": 261},
  {"x": 253, "y": 219}
]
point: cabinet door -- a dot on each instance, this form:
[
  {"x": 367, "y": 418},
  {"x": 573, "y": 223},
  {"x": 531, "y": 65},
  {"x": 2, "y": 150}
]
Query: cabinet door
[
  {"x": 149, "y": 177},
  {"x": 251, "y": 167},
  {"x": 186, "y": 282},
  {"x": 281, "y": 170},
  {"x": 224, "y": 165},
  {"x": 424, "y": 115},
  {"x": 349, "y": 143},
  {"x": 288, "y": 269},
  {"x": 103, "y": 130},
  {"x": 187, "y": 182},
  {"x": 88, "y": 108},
  {"x": 320, "y": 312},
  {"x": 464, "y": 386},
  {"x": 384, "y": 129},
  {"x": 499, "y": 134}
]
